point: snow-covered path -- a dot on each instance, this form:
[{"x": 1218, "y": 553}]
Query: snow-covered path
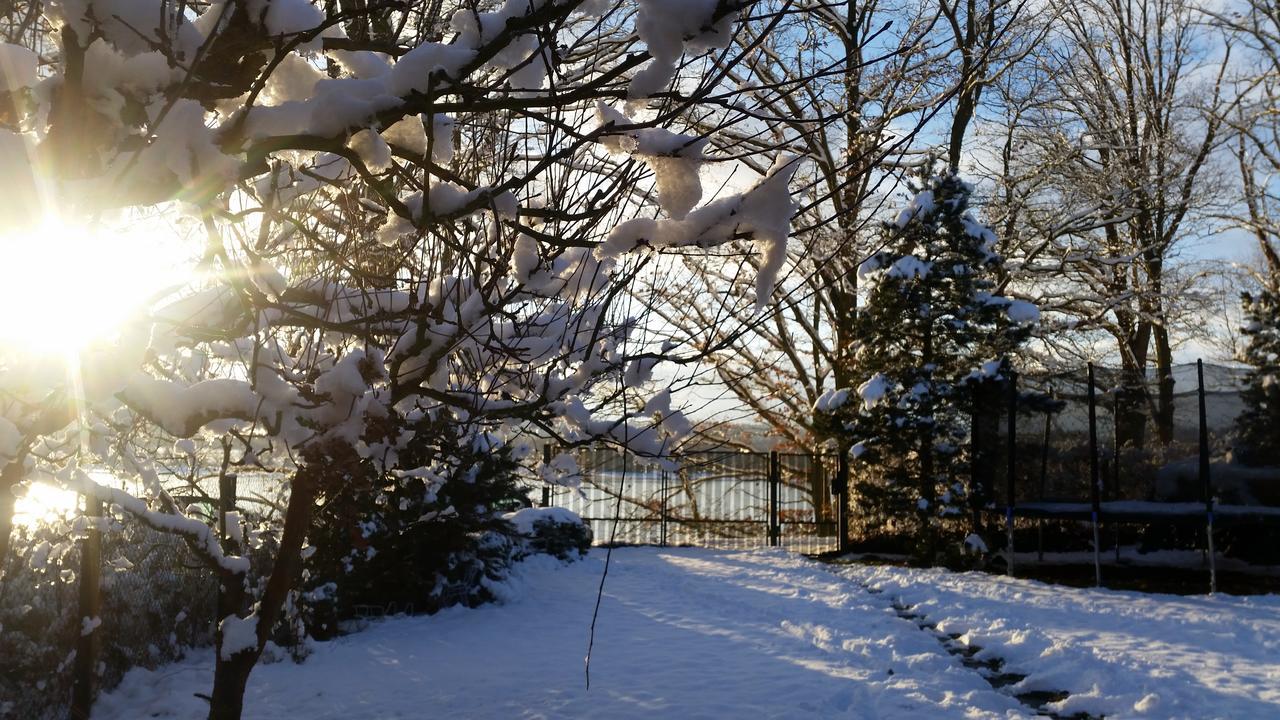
[
  {"x": 1121, "y": 654},
  {"x": 682, "y": 633},
  {"x": 687, "y": 633}
]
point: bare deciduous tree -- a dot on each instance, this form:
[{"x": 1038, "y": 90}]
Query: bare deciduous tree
[{"x": 1106, "y": 169}]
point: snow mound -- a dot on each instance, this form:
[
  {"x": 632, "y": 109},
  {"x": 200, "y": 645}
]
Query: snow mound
[{"x": 525, "y": 519}]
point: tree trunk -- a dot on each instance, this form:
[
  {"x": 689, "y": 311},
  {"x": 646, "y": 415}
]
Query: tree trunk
[
  {"x": 1131, "y": 416},
  {"x": 9, "y": 479},
  {"x": 1131, "y": 401},
  {"x": 1164, "y": 379},
  {"x": 232, "y": 674},
  {"x": 819, "y": 492},
  {"x": 966, "y": 103},
  {"x": 229, "y": 680}
]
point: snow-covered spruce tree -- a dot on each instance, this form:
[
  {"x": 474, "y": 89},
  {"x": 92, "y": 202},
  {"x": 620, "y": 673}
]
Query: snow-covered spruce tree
[
  {"x": 1258, "y": 427},
  {"x": 930, "y": 329},
  {"x": 408, "y": 213},
  {"x": 1254, "y": 26}
]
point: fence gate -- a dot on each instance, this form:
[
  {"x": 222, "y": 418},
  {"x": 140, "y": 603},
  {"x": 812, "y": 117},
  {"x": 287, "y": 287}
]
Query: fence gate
[{"x": 719, "y": 499}]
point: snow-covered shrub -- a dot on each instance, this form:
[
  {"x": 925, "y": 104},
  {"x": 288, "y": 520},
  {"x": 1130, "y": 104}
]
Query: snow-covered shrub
[
  {"x": 415, "y": 539},
  {"x": 552, "y": 531},
  {"x": 38, "y": 623},
  {"x": 156, "y": 601},
  {"x": 423, "y": 540},
  {"x": 155, "y": 604}
]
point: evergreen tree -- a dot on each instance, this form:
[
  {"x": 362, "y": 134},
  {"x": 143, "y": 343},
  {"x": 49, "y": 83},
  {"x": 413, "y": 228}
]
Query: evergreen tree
[
  {"x": 1258, "y": 427},
  {"x": 420, "y": 539},
  {"x": 930, "y": 329}
]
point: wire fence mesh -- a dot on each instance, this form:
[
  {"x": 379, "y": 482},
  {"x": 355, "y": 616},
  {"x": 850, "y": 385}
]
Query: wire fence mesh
[
  {"x": 1160, "y": 485},
  {"x": 1147, "y": 448}
]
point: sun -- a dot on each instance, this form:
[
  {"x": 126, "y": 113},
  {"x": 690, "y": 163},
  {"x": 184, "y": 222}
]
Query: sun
[
  {"x": 64, "y": 284},
  {"x": 44, "y": 504}
]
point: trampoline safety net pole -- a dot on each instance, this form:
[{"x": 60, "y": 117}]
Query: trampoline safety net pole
[
  {"x": 1094, "y": 478},
  {"x": 1206, "y": 483},
  {"x": 1013, "y": 455}
]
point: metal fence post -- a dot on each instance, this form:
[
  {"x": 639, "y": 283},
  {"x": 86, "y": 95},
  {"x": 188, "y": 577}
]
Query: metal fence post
[
  {"x": 1094, "y": 478},
  {"x": 226, "y": 503},
  {"x": 1206, "y": 483},
  {"x": 842, "y": 500},
  {"x": 1113, "y": 492},
  {"x": 978, "y": 481},
  {"x": 90, "y": 608},
  {"x": 1010, "y": 497},
  {"x": 663, "y": 508},
  {"x": 230, "y": 599},
  {"x": 1044, "y": 474},
  {"x": 546, "y": 489},
  {"x": 774, "y": 480}
]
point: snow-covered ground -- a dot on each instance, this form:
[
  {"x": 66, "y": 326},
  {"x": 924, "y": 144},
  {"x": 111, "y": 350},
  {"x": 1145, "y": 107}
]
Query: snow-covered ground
[
  {"x": 1121, "y": 654},
  {"x": 693, "y": 633}
]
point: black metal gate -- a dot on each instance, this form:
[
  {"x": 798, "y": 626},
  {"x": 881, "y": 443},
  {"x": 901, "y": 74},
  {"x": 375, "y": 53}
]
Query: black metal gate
[{"x": 714, "y": 499}]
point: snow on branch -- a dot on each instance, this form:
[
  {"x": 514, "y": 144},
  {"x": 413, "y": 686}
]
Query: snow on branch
[
  {"x": 761, "y": 214},
  {"x": 17, "y": 68},
  {"x": 671, "y": 27},
  {"x": 182, "y": 410},
  {"x": 675, "y": 159},
  {"x": 200, "y": 536}
]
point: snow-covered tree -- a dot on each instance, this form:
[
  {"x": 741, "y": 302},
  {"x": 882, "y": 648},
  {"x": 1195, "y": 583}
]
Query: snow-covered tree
[
  {"x": 1258, "y": 427},
  {"x": 931, "y": 329},
  {"x": 411, "y": 215},
  {"x": 1253, "y": 28}
]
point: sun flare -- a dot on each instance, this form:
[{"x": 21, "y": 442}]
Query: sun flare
[
  {"x": 44, "y": 504},
  {"x": 68, "y": 284}
]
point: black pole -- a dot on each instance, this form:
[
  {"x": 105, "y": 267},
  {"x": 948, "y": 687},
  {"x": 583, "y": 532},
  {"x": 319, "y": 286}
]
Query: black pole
[
  {"x": 1206, "y": 483},
  {"x": 977, "y": 460},
  {"x": 1095, "y": 479},
  {"x": 774, "y": 471},
  {"x": 226, "y": 504},
  {"x": 546, "y": 488},
  {"x": 1044, "y": 474},
  {"x": 663, "y": 499},
  {"x": 84, "y": 670},
  {"x": 1013, "y": 465},
  {"x": 230, "y": 599},
  {"x": 1114, "y": 491},
  {"x": 842, "y": 500}
]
